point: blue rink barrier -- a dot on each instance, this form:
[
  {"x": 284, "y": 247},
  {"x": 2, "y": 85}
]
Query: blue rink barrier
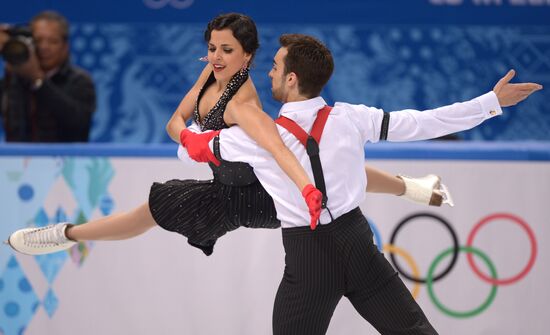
[{"x": 436, "y": 150}]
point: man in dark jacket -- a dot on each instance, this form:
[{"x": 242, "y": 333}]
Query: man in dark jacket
[{"x": 46, "y": 98}]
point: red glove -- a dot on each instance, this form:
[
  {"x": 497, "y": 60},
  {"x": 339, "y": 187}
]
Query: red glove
[
  {"x": 197, "y": 145},
  {"x": 313, "y": 199}
]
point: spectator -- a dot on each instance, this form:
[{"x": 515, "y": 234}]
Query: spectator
[{"x": 46, "y": 98}]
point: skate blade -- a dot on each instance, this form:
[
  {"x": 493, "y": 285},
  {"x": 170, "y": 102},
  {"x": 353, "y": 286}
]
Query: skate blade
[{"x": 447, "y": 198}]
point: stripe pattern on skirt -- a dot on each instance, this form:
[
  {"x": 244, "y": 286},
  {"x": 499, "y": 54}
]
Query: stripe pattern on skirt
[{"x": 205, "y": 210}]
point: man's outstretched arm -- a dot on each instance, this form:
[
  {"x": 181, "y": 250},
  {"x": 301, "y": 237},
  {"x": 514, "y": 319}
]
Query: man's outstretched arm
[{"x": 414, "y": 125}]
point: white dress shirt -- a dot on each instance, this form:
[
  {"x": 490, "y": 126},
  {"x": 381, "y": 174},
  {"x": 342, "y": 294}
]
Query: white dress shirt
[{"x": 342, "y": 154}]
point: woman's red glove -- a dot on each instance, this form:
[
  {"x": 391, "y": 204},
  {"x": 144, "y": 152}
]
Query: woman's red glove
[
  {"x": 313, "y": 199},
  {"x": 197, "y": 145}
]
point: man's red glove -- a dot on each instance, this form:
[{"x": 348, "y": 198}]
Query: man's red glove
[
  {"x": 197, "y": 145},
  {"x": 313, "y": 199}
]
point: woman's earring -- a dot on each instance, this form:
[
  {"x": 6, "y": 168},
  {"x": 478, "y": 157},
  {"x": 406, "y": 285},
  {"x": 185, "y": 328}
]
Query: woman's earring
[{"x": 245, "y": 66}]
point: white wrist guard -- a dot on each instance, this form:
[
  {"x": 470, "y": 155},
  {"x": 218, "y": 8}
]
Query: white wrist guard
[{"x": 427, "y": 190}]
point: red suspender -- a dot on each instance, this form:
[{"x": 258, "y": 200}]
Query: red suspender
[
  {"x": 319, "y": 124},
  {"x": 316, "y": 129},
  {"x": 311, "y": 143},
  {"x": 292, "y": 127}
]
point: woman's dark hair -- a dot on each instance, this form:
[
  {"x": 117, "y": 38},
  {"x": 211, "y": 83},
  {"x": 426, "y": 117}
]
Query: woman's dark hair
[{"x": 242, "y": 26}]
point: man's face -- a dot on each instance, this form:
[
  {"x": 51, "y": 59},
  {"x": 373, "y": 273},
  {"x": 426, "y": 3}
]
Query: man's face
[
  {"x": 277, "y": 76},
  {"x": 52, "y": 49}
]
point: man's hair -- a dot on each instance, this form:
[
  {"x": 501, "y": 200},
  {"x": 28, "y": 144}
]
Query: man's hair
[
  {"x": 50, "y": 15},
  {"x": 310, "y": 60}
]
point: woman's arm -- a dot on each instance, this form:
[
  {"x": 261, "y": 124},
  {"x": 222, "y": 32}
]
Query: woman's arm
[
  {"x": 261, "y": 128},
  {"x": 185, "y": 109}
]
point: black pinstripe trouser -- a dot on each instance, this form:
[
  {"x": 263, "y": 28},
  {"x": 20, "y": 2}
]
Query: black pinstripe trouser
[{"x": 335, "y": 260}]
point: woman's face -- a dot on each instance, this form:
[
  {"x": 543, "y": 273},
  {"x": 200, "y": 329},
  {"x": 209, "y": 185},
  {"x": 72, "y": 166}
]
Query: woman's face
[{"x": 225, "y": 54}]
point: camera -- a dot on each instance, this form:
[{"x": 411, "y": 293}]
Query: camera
[{"x": 19, "y": 47}]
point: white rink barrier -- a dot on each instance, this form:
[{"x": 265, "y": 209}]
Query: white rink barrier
[{"x": 481, "y": 267}]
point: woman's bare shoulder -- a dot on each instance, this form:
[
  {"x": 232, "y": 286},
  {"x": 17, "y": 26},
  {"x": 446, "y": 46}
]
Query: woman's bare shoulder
[{"x": 247, "y": 95}]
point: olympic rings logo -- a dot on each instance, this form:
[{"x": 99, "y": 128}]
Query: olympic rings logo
[
  {"x": 453, "y": 252},
  {"x": 177, "y": 4}
]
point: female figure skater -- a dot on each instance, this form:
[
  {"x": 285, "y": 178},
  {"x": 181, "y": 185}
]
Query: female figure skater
[{"x": 224, "y": 95}]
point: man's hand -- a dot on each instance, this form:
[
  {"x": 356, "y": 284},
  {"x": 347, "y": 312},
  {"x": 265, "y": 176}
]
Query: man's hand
[
  {"x": 510, "y": 94},
  {"x": 313, "y": 198},
  {"x": 197, "y": 145},
  {"x": 30, "y": 69}
]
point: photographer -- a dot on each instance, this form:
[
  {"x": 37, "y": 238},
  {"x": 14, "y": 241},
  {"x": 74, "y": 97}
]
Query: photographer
[{"x": 43, "y": 98}]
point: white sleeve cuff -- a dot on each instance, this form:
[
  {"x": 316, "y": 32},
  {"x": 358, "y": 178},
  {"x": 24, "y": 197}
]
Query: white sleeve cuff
[
  {"x": 489, "y": 105},
  {"x": 211, "y": 144},
  {"x": 194, "y": 127},
  {"x": 184, "y": 157}
]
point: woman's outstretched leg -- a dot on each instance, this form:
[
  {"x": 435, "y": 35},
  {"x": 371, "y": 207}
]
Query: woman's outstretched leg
[
  {"x": 382, "y": 182},
  {"x": 61, "y": 236},
  {"x": 114, "y": 227},
  {"x": 427, "y": 190}
]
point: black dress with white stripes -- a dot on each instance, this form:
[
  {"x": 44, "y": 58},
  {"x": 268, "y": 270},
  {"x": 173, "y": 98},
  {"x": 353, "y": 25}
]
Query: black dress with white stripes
[{"x": 204, "y": 210}]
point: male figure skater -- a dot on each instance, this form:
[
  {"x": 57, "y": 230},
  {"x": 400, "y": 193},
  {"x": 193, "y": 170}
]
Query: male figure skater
[{"x": 338, "y": 257}]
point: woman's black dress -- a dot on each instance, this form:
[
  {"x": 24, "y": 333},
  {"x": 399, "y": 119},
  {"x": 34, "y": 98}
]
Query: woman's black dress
[{"x": 204, "y": 210}]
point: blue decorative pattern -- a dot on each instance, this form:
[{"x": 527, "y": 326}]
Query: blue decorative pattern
[
  {"x": 393, "y": 54},
  {"x": 141, "y": 73},
  {"x": 88, "y": 180},
  {"x": 46, "y": 190},
  {"x": 60, "y": 215},
  {"x": 41, "y": 219},
  {"x": 106, "y": 204},
  {"x": 50, "y": 303},
  {"x": 51, "y": 264},
  {"x": 18, "y": 301},
  {"x": 143, "y": 70}
]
